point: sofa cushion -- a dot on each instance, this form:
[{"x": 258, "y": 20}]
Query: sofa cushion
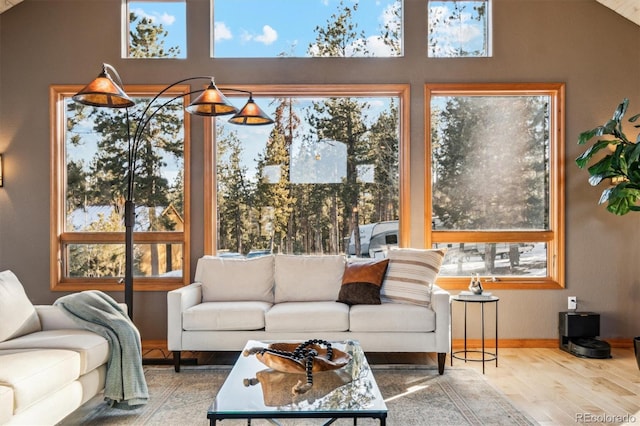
[
  {"x": 225, "y": 280},
  {"x": 92, "y": 348},
  {"x": 17, "y": 314},
  {"x": 35, "y": 374},
  {"x": 307, "y": 316},
  {"x": 361, "y": 282},
  {"x": 411, "y": 275},
  {"x": 391, "y": 317},
  {"x": 308, "y": 278},
  {"x": 225, "y": 316}
]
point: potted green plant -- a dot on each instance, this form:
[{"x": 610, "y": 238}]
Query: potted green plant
[{"x": 620, "y": 167}]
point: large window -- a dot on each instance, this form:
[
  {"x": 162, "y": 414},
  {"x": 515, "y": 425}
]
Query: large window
[
  {"x": 304, "y": 28},
  {"x": 90, "y": 165},
  {"x": 154, "y": 29},
  {"x": 326, "y": 178},
  {"x": 495, "y": 196}
]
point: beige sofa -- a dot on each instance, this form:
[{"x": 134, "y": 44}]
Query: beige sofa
[
  {"x": 287, "y": 297},
  {"x": 48, "y": 365}
]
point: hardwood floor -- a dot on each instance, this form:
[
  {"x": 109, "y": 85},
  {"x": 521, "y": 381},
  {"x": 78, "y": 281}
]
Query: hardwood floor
[
  {"x": 552, "y": 386},
  {"x": 557, "y": 388}
]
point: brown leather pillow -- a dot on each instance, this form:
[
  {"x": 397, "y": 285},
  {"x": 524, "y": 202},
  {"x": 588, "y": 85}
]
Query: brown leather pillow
[{"x": 361, "y": 282}]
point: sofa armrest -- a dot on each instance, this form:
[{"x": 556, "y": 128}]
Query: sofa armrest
[
  {"x": 440, "y": 303},
  {"x": 178, "y": 301},
  {"x": 6, "y": 404},
  {"x": 54, "y": 318}
]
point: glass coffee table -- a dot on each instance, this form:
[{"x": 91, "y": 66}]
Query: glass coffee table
[{"x": 254, "y": 391}]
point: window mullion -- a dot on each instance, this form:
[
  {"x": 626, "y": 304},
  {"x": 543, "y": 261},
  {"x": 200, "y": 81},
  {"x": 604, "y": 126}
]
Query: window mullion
[{"x": 491, "y": 236}]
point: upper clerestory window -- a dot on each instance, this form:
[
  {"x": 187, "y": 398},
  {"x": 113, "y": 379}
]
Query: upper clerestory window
[
  {"x": 154, "y": 29},
  {"x": 306, "y": 28},
  {"x": 459, "y": 28}
]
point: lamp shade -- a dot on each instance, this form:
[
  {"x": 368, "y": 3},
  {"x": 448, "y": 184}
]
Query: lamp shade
[
  {"x": 103, "y": 92},
  {"x": 211, "y": 102},
  {"x": 251, "y": 115}
]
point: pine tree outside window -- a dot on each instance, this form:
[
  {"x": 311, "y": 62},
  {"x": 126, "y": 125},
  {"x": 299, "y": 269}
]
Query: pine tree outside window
[
  {"x": 306, "y": 28},
  {"x": 154, "y": 29},
  {"x": 459, "y": 28},
  {"x": 496, "y": 194},
  {"x": 88, "y": 192},
  {"x": 318, "y": 181}
]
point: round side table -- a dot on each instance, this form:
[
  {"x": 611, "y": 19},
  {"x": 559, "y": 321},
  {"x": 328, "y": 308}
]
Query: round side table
[{"x": 464, "y": 355}]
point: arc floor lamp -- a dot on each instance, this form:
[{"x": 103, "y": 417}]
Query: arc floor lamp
[{"x": 106, "y": 92}]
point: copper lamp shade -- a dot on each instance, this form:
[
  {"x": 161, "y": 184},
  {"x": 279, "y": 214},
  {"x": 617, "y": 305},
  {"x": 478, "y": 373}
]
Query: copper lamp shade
[
  {"x": 211, "y": 103},
  {"x": 251, "y": 115},
  {"x": 103, "y": 92}
]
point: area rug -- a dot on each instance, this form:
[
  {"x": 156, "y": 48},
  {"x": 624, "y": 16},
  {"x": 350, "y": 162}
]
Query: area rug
[{"x": 414, "y": 396}]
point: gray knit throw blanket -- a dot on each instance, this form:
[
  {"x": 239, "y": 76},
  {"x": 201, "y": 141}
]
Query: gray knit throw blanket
[{"x": 96, "y": 311}]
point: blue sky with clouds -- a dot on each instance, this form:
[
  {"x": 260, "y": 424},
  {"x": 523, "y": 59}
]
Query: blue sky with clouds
[
  {"x": 171, "y": 15},
  {"x": 260, "y": 28},
  {"x": 271, "y": 28}
]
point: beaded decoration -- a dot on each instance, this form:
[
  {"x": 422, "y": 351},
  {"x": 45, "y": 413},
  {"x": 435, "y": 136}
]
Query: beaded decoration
[{"x": 302, "y": 354}]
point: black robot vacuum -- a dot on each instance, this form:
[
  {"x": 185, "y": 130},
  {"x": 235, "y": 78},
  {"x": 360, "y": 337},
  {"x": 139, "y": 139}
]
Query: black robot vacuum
[
  {"x": 589, "y": 347},
  {"x": 578, "y": 331}
]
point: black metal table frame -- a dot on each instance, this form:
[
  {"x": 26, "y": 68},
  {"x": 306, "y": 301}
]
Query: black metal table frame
[
  {"x": 486, "y": 356},
  {"x": 332, "y": 415}
]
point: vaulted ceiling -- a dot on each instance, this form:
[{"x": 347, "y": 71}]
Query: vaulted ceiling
[
  {"x": 630, "y": 9},
  {"x": 6, "y": 4}
]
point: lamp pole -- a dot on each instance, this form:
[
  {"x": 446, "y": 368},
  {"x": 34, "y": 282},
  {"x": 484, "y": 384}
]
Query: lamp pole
[
  {"x": 129, "y": 221},
  {"x": 104, "y": 91}
]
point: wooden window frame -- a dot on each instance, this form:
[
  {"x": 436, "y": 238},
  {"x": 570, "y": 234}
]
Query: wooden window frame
[
  {"x": 554, "y": 237},
  {"x": 59, "y": 238},
  {"x": 401, "y": 91}
]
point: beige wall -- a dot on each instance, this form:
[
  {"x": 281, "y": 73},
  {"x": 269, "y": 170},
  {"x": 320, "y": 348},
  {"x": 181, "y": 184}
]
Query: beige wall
[{"x": 579, "y": 42}]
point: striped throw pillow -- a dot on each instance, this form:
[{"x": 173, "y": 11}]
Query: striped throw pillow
[{"x": 410, "y": 275}]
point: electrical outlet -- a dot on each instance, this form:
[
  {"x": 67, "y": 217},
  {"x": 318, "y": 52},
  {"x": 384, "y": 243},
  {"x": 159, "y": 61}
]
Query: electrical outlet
[{"x": 572, "y": 303}]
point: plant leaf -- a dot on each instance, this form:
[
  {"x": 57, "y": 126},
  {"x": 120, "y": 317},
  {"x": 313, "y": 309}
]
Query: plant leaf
[
  {"x": 632, "y": 152},
  {"x": 585, "y": 136},
  {"x": 621, "y": 161},
  {"x": 602, "y": 167},
  {"x": 610, "y": 127},
  {"x": 595, "y": 180},
  {"x": 604, "y": 197},
  {"x": 621, "y": 199},
  {"x": 617, "y": 160},
  {"x": 619, "y": 112},
  {"x": 619, "y": 206},
  {"x": 583, "y": 159},
  {"x": 623, "y": 164}
]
